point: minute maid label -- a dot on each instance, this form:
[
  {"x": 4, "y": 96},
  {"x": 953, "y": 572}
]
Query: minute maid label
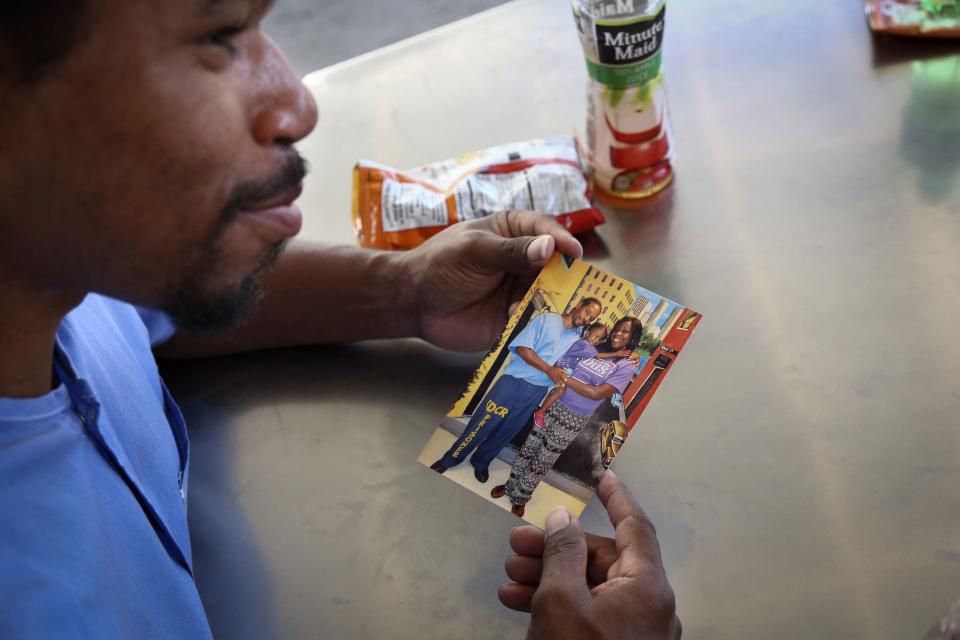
[
  {"x": 630, "y": 43},
  {"x": 628, "y": 49}
]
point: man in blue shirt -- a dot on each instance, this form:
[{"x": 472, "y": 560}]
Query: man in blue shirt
[
  {"x": 518, "y": 391},
  {"x": 147, "y": 163}
]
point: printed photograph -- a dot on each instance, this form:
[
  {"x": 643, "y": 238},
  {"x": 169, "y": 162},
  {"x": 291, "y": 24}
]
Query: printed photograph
[{"x": 555, "y": 399}]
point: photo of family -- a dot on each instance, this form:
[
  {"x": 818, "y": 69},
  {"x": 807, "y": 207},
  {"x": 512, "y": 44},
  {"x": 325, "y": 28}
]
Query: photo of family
[{"x": 557, "y": 396}]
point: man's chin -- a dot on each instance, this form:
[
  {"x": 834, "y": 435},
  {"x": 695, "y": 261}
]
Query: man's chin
[
  {"x": 200, "y": 311},
  {"x": 200, "y": 308}
]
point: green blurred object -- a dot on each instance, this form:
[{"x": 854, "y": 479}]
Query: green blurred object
[
  {"x": 940, "y": 8},
  {"x": 931, "y": 126}
]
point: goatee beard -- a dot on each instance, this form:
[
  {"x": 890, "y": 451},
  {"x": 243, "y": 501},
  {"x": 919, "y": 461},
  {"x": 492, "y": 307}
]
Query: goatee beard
[{"x": 197, "y": 307}]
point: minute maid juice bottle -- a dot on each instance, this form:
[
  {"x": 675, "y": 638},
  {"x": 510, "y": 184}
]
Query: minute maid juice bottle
[{"x": 628, "y": 129}]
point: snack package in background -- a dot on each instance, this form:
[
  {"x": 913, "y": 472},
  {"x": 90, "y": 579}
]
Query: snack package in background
[
  {"x": 395, "y": 209},
  {"x": 924, "y": 18}
]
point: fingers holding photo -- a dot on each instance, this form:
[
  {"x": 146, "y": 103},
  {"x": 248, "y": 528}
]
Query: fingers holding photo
[
  {"x": 514, "y": 242},
  {"x": 527, "y": 540},
  {"x": 601, "y": 554},
  {"x": 637, "y": 547},
  {"x": 515, "y": 223},
  {"x": 618, "y": 500},
  {"x": 524, "y": 569},
  {"x": 518, "y": 597}
]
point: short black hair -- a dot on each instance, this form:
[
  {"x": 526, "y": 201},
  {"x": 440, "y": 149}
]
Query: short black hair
[
  {"x": 37, "y": 34},
  {"x": 586, "y": 301},
  {"x": 596, "y": 325}
]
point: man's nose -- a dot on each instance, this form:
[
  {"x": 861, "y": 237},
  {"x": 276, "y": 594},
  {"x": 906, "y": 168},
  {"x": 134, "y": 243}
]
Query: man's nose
[{"x": 287, "y": 111}]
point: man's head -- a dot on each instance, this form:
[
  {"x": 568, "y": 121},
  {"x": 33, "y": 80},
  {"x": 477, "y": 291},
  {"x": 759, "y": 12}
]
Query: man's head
[
  {"x": 35, "y": 35},
  {"x": 586, "y": 311},
  {"x": 146, "y": 151}
]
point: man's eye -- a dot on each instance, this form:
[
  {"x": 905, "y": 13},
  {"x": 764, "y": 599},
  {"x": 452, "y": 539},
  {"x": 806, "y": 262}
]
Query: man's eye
[{"x": 224, "y": 37}]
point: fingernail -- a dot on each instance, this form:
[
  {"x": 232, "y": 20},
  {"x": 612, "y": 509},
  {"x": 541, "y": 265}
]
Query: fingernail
[
  {"x": 540, "y": 249},
  {"x": 557, "y": 519}
]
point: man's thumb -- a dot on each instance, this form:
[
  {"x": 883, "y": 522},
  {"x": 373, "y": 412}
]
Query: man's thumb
[
  {"x": 540, "y": 249},
  {"x": 514, "y": 255},
  {"x": 565, "y": 553}
]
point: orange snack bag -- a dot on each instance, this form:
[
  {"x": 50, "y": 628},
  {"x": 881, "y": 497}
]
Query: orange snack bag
[{"x": 395, "y": 209}]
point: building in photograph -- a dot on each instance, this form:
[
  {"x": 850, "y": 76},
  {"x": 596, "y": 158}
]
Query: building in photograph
[
  {"x": 617, "y": 296},
  {"x": 652, "y": 320},
  {"x": 664, "y": 329},
  {"x": 639, "y": 307}
]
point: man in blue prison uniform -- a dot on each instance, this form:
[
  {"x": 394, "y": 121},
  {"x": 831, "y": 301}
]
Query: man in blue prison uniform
[
  {"x": 80, "y": 467},
  {"x": 518, "y": 392}
]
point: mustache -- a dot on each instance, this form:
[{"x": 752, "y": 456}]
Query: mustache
[{"x": 291, "y": 172}]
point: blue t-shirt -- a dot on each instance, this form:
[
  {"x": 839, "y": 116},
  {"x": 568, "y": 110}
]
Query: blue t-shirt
[
  {"x": 549, "y": 339},
  {"x": 93, "y": 519}
]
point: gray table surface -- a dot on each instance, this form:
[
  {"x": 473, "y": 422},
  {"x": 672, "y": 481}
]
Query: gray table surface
[{"x": 801, "y": 462}]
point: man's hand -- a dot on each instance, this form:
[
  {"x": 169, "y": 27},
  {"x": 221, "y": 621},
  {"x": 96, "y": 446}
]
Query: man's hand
[
  {"x": 558, "y": 375},
  {"x": 463, "y": 281},
  {"x": 578, "y": 586}
]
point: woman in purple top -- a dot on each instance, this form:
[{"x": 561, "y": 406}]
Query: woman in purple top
[{"x": 593, "y": 380}]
